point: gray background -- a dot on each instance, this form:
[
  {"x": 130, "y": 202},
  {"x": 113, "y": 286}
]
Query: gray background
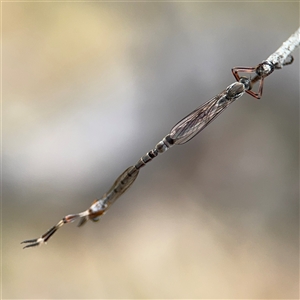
[{"x": 88, "y": 88}]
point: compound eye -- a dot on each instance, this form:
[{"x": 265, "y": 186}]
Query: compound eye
[{"x": 265, "y": 69}]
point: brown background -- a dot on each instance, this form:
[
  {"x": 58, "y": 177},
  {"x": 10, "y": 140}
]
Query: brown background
[{"x": 88, "y": 88}]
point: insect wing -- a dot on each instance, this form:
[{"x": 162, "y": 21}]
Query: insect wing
[{"x": 196, "y": 121}]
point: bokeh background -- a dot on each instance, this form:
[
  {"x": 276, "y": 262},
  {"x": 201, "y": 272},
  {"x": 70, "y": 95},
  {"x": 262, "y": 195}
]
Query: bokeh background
[{"x": 88, "y": 88}]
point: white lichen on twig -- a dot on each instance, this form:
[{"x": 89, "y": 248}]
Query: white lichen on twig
[{"x": 281, "y": 55}]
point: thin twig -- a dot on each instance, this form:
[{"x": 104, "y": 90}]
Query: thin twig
[{"x": 280, "y": 56}]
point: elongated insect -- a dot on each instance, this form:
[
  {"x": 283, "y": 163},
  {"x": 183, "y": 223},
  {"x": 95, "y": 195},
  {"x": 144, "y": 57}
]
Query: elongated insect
[
  {"x": 184, "y": 131},
  {"x": 181, "y": 133}
]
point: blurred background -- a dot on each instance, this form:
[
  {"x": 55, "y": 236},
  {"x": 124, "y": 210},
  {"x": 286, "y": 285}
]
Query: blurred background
[{"x": 88, "y": 88}]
